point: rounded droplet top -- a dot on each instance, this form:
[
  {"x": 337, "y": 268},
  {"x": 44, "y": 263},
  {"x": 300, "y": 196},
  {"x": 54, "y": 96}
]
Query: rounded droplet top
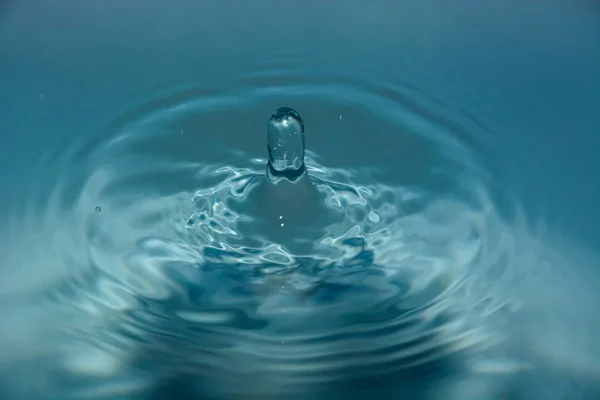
[{"x": 285, "y": 140}]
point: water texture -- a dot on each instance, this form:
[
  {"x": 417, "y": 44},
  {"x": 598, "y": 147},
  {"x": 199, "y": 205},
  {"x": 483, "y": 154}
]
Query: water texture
[{"x": 395, "y": 249}]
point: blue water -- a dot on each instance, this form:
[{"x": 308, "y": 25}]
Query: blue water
[{"x": 441, "y": 244}]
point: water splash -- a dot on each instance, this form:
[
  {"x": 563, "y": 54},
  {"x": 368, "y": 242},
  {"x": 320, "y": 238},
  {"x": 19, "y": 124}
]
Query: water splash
[
  {"x": 401, "y": 276},
  {"x": 285, "y": 142}
]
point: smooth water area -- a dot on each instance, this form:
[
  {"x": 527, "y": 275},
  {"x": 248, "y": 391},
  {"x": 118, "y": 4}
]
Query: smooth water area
[{"x": 421, "y": 223}]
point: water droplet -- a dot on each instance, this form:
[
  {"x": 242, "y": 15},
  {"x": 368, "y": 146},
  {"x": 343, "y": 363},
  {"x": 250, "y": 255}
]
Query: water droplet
[
  {"x": 285, "y": 140},
  {"x": 98, "y": 209}
]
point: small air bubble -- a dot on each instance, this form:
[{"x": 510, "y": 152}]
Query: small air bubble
[{"x": 98, "y": 209}]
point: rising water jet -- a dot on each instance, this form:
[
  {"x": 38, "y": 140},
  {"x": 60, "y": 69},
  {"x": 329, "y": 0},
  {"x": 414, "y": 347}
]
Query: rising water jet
[
  {"x": 285, "y": 143},
  {"x": 288, "y": 196}
]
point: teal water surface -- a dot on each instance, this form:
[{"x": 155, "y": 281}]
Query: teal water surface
[{"x": 441, "y": 245}]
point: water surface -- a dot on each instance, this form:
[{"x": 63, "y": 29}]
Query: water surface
[{"x": 443, "y": 245}]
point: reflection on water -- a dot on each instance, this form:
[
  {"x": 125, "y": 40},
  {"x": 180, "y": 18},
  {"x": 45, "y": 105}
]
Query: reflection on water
[
  {"x": 158, "y": 256},
  {"x": 167, "y": 261}
]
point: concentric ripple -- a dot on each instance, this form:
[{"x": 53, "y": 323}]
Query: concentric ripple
[{"x": 172, "y": 256}]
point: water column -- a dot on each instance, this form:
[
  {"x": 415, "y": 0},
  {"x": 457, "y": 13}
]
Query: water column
[
  {"x": 285, "y": 142},
  {"x": 289, "y": 200}
]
